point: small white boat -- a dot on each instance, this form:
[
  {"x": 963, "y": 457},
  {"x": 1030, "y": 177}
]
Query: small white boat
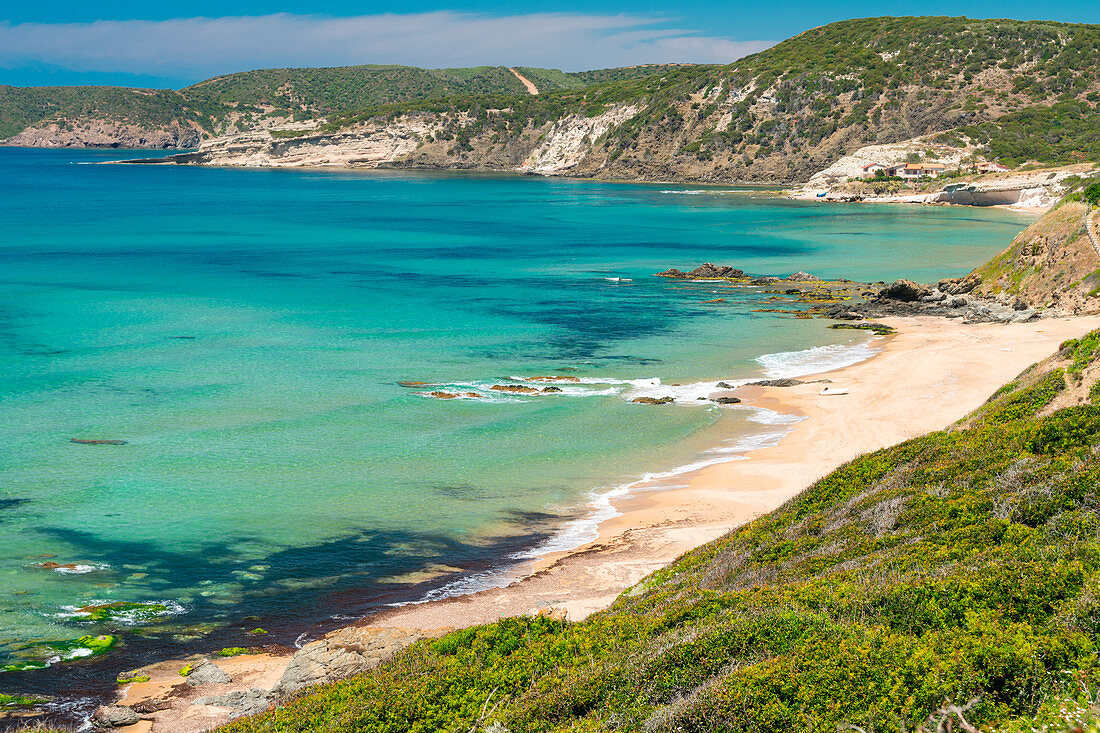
[
  {"x": 833, "y": 390},
  {"x": 618, "y": 279}
]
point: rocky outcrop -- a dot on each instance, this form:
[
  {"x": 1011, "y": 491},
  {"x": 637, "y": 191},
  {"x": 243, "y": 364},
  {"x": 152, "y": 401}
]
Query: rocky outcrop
[
  {"x": 514, "y": 388},
  {"x": 344, "y": 653},
  {"x": 364, "y": 146},
  {"x": 904, "y": 290},
  {"x": 705, "y": 271},
  {"x": 653, "y": 400}
]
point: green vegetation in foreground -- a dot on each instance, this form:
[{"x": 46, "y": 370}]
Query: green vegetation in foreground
[
  {"x": 960, "y": 568},
  {"x": 229, "y": 651}
]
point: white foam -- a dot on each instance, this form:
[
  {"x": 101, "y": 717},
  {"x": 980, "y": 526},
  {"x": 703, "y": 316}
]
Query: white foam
[
  {"x": 787, "y": 364},
  {"x": 81, "y": 569}
]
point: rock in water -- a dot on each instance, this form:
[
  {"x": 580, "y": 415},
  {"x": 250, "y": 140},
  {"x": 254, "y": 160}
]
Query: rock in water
[
  {"x": 724, "y": 385},
  {"x": 708, "y": 270},
  {"x": 727, "y": 400},
  {"x": 906, "y": 291},
  {"x": 208, "y": 673},
  {"x": 551, "y": 389},
  {"x": 776, "y": 383},
  {"x": 653, "y": 400},
  {"x": 803, "y": 277},
  {"x": 672, "y": 272},
  {"x": 86, "y": 441},
  {"x": 344, "y": 653},
  {"x": 518, "y": 389},
  {"x": 114, "y": 716}
]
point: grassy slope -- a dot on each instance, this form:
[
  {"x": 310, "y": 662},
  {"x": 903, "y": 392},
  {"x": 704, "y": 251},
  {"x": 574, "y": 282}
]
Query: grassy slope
[{"x": 963, "y": 564}]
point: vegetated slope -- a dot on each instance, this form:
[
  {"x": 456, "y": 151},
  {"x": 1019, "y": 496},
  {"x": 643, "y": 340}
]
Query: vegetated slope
[
  {"x": 252, "y": 99},
  {"x": 957, "y": 570},
  {"x": 789, "y": 111},
  {"x": 1053, "y": 263}
]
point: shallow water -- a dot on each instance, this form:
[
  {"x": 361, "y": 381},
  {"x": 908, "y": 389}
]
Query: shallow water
[{"x": 244, "y": 332}]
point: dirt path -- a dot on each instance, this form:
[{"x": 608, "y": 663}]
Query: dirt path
[{"x": 531, "y": 88}]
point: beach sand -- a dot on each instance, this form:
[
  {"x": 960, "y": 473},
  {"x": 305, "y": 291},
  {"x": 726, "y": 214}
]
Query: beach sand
[{"x": 930, "y": 374}]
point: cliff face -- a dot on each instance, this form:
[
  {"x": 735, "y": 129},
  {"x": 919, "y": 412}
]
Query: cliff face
[{"x": 106, "y": 133}]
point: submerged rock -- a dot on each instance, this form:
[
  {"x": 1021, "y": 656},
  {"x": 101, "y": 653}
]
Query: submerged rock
[
  {"x": 554, "y": 379},
  {"x": 415, "y": 384},
  {"x": 653, "y": 400},
  {"x": 97, "y": 441}
]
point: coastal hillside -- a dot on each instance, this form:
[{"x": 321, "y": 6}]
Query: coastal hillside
[
  {"x": 1014, "y": 91},
  {"x": 947, "y": 583},
  {"x": 1054, "y": 263},
  {"x": 163, "y": 118}
]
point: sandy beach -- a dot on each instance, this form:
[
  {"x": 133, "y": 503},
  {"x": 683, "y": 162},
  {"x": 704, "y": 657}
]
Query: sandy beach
[{"x": 929, "y": 374}]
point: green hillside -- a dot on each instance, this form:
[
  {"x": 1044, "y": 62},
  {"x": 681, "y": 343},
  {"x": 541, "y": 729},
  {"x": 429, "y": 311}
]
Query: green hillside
[
  {"x": 961, "y": 569},
  {"x": 290, "y": 93}
]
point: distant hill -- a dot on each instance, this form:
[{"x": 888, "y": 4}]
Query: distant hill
[
  {"x": 1017, "y": 91},
  {"x": 250, "y": 99}
]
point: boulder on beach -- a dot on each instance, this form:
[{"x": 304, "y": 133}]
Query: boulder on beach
[
  {"x": 114, "y": 716},
  {"x": 727, "y": 400},
  {"x": 516, "y": 388},
  {"x": 243, "y": 702},
  {"x": 344, "y": 653},
  {"x": 208, "y": 673},
  {"x": 724, "y": 385},
  {"x": 653, "y": 400},
  {"x": 906, "y": 291}
]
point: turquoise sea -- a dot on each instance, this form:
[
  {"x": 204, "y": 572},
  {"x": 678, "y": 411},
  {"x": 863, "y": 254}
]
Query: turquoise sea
[{"x": 244, "y": 332}]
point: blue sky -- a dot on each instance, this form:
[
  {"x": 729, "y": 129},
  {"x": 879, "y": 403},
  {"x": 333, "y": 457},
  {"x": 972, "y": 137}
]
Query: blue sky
[{"x": 142, "y": 44}]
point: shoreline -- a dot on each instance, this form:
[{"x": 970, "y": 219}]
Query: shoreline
[{"x": 928, "y": 375}]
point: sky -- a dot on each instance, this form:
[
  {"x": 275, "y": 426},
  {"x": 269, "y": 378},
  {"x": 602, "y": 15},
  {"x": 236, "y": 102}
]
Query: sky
[{"x": 129, "y": 43}]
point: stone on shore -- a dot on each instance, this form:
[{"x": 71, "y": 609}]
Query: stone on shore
[
  {"x": 345, "y": 653},
  {"x": 114, "y": 716},
  {"x": 803, "y": 277},
  {"x": 727, "y": 400},
  {"x": 208, "y": 673},
  {"x": 243, "y": 702},
  {"x": 960, "y": 285}
]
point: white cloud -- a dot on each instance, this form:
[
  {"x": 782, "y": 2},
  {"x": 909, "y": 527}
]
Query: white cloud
[{"x": 203, "y": 47}]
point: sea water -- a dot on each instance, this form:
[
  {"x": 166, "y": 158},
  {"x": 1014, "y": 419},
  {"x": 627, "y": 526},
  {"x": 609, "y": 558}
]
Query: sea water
[{"x": 244, "y": 332}]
